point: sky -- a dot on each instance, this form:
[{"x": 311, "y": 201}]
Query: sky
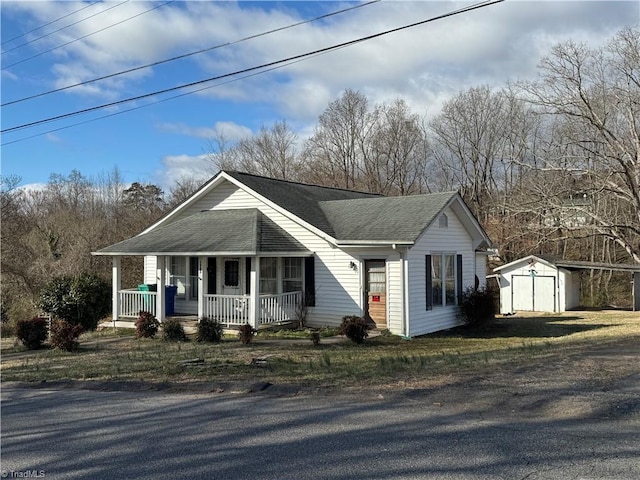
[{"x": 165, "y": 137}]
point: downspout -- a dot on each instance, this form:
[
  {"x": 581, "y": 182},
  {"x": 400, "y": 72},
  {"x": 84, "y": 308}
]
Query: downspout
[{"x": 405, "y": 292}]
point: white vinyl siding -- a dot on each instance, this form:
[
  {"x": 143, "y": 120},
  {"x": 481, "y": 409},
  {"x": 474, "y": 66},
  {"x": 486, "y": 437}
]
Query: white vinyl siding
[
  {"x": 150, "y": 265},
  {"x": 434, "y": 241},
  {"x": 337, "y": 285},
  {"x": 481, "y": 269},
  {"x": 394, "y": 294}
]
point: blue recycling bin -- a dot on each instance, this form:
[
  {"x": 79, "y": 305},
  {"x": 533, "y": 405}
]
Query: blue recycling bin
[{"x": 170, "y": 299}]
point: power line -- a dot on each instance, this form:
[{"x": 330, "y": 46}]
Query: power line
[
  {"x": 265, "y": 65},
  {"x": 61, "y": 28},
  {"x": 48, "y": 23},
  {"x": 89, "y": 34},
  {"x": 156, "y": 102},
  {"x": 179, "y": 57}
]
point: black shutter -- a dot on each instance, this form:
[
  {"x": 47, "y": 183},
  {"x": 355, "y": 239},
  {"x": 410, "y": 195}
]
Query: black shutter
[
  {"x": 211, "y": 275},
  {"x": 459, "y": 275},
  {"x": 428, "y": 281},
  {"x": 309, "y": 281},
  {"x": 247, "y": 275}
]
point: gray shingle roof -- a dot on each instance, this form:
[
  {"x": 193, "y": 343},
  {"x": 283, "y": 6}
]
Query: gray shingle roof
[
  {"x": 301, "y": 199},
  {"x": 573, "y": 264},
  {"x": 345, "y": 215},
  {"x": 213, "y": 232},
  {"x": 400, "y": 219}
]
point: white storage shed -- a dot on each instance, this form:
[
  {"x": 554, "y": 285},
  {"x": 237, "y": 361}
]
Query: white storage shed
[{"x": 541, "y": 283}]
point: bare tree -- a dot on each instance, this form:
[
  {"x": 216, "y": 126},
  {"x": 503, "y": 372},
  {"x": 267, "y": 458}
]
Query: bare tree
[
  {"x": 222, "y": 153},
  {"x": 271, "y": 152},
  {"x": 336, "y": 150},
  {"x": 182, "y": 189},
  {"x": 398, "y": 152},
  {"x": 596, "y": 95},
  {"x": 469, "y": 136}
]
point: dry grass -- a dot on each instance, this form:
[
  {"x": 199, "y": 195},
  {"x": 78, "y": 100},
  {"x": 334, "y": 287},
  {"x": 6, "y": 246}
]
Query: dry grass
[{"x": 382, "y": 360}]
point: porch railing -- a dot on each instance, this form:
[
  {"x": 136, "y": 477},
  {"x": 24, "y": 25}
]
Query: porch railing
[
  {"x": 227, "y": 309},
  {"x": 132, "y": 301},
  {"x": 279, "y": 307}
]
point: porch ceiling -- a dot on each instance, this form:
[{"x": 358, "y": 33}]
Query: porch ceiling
[{"x": 213, "y": 232}]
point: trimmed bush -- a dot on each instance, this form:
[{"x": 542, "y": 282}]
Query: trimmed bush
[
  {"x": 64, "y": 335},
  {"x": 477, "y": 307},
  {"x": 209, "y": 330},
  {"x": 82, "y": 300},
  {"x": 32, "y": 333},
  {"x": 172, "y": 330},
  {"x": 146, "y": 325},
  {"x": 246, "y": 333},
  {"x": 355, "y": 328}
]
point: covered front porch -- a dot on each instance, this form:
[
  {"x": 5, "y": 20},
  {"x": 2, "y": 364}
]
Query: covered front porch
[
  {"x": 234, "y": 266},
  {"x": 229, "y": 310}
]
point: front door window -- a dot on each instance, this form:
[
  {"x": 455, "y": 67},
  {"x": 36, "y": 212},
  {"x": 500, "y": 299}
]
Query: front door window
[
  {"x": 232, "y": 276},
  {"x": 376, "y": 291}
]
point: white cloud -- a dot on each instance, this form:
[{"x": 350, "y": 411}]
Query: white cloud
[
  {"x": 53, "y": 138},
  {"x": 33, "y": 187},
  {"x": 425, "y": 65},
  {"x": 231, "y": 131},
  {"x": 176, "y": 167},
  {"x": 489, "y": 45}
]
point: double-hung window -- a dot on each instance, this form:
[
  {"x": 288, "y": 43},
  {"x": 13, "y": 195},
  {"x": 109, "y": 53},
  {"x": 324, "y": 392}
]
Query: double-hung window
[
  {"x": 268, "y": 275},
  {"x": 292, "y": 274},
  {"x": 443, "y": 280}
]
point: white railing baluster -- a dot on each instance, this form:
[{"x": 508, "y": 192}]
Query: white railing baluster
[
  {"x": 133, "y": 301},
  {"x": 227, "y": 309},
  {"x": 279, "y": 308}
]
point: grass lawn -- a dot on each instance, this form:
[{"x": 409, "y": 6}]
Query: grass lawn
[{"x": 383, "y": 361}]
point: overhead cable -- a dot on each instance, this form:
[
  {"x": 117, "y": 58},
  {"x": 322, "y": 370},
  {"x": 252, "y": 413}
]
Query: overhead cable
[
  {"x": 179, "y": 57},
  {"x": 48, "y": 23},
  {"x": 62, "y": 28},
  {"x": 265, "y": 65},
  {"x": 89, "y": 34},
  {"x": 166, "y": 99}
]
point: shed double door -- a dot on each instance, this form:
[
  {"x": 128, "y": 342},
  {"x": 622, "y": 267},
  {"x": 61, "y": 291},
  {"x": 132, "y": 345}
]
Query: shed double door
[{"x": 533, "y": 293}]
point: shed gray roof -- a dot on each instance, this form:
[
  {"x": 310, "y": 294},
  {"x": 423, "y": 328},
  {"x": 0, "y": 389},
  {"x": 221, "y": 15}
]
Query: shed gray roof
[
  {"x": 212, "y": 232},
  {"x": 393, "y": 219},
  {"x": 572, "y": 264}
]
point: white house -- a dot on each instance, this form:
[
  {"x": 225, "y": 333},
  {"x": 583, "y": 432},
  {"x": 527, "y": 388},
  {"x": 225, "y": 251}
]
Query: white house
[
  {"x": 246, "y": 248},
  {"x": 543, "y": 283}
]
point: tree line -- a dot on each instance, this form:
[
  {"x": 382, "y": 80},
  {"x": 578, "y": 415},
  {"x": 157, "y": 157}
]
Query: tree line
[{"x": 547, "y": 166}]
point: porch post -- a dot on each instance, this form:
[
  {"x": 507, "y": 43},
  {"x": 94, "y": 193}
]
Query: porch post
[
  {"x": 161, "y": 275},
  {"x": 116, "y": 282},
  {"x": 202, "y": 285},
  {"x": 254, "y": 289}
]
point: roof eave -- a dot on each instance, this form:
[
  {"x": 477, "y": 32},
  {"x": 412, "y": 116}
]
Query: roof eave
[
  {"x": 374, "y": 243},
  {"x": 301, "y": 253}
]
